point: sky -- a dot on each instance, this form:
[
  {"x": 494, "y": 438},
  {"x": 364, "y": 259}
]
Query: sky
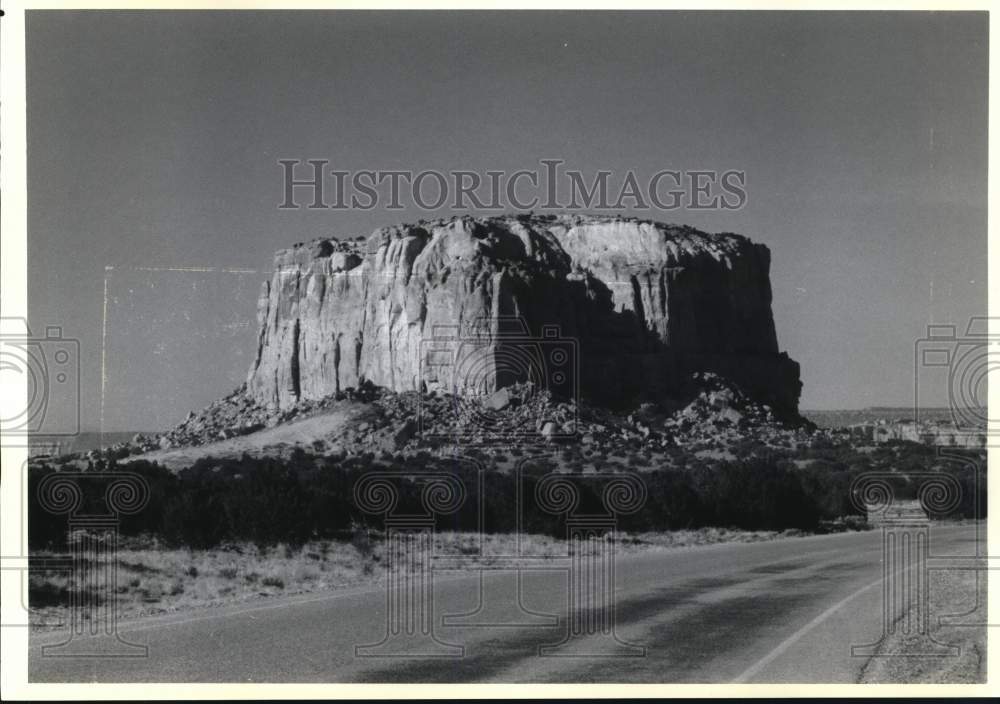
[{"x": 154, "y": 183}]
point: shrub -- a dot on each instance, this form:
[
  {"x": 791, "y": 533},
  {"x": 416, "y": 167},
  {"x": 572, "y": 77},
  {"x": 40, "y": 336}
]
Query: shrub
[{"x": 270, "y": 501}]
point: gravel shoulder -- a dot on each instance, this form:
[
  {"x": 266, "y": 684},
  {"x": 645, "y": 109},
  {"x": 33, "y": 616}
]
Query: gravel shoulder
[{"x": 957, "y": 617}]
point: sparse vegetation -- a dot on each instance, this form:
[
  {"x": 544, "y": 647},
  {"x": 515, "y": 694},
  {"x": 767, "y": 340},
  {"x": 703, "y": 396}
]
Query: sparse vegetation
[
  {"x": 153, "y": 578},
  {"x": 226, "y": 530},
  {"x": 308, "y": 497}
]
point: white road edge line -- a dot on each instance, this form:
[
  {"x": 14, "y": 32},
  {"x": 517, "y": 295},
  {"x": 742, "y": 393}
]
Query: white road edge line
[{"x": 791, "y": 640}]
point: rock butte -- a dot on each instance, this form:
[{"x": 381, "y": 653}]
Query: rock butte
[{"x": 639, "y": 306}]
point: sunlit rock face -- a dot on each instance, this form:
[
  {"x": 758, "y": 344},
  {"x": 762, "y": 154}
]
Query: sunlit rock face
[{"x": 636, "y": 306}]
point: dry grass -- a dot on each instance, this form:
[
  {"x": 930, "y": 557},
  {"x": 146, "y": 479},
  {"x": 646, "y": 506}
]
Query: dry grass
[{"x": 154, "y": 579}]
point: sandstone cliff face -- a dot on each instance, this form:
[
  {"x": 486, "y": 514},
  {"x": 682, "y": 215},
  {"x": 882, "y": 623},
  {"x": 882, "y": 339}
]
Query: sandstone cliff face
[{"x": 640, "y": 305}]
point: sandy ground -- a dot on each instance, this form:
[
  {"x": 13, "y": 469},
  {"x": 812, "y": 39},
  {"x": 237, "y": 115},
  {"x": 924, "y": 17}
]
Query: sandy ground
[{"x": 327, "y": 427}]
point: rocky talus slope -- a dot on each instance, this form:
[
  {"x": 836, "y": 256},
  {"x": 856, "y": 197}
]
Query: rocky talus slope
[{"x": 712, "y": 415}]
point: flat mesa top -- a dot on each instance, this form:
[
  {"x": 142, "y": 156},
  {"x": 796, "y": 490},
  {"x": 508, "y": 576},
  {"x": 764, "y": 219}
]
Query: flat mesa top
[{"x": 577, "y": 233}]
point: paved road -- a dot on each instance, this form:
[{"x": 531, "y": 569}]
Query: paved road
[{"x": 780, "y": 611}]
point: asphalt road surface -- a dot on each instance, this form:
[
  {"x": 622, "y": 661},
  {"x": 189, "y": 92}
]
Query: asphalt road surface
[{"x": 782, "y": 611}]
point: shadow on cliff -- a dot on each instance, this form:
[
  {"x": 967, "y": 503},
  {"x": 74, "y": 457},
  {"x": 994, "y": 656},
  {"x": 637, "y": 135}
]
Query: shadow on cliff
[{"x": 622, "y": 362}]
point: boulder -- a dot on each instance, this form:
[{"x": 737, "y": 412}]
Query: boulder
[
  {"x": 404, "y": 432},
  {"x": 499, "y": 399}
]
